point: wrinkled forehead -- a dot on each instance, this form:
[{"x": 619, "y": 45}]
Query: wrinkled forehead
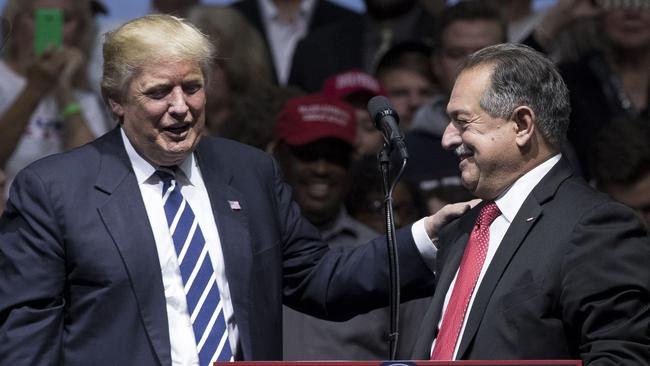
[{"x": 168, "y": 73}]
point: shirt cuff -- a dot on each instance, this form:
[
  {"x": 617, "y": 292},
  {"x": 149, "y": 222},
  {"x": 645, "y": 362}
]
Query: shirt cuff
[{"x": 425, "y": 246}]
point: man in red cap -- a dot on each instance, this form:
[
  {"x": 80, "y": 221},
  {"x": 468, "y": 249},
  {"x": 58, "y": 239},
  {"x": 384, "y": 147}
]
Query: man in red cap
[
  {"x": 356, "y": 88},
  {"x": 315, "y": 142}
]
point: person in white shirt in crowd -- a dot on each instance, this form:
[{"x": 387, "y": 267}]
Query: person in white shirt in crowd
[
  {"x": 285, "y": 22},
  {"x": 45, "y": 104}
]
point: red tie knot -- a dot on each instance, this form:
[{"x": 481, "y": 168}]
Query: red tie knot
[{"x": 488, "y": 213}]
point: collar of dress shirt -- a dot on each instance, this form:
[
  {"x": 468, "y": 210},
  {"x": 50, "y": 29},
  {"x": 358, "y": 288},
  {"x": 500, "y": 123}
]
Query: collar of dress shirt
[
  {"x": 511, "y": 200},
  {"x": 270, "y": 11},
  {"x": 144, "y": 170}
]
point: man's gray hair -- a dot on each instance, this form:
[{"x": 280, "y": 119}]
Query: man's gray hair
[{"x": 523, "y": 76}]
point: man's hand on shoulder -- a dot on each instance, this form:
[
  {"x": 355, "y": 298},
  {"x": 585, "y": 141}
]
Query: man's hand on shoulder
[{"x": 434, "y": 223}]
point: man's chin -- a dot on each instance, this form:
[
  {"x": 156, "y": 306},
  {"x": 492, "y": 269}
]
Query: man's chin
[
  {"x": 187, "y": 137},
  {"x": 468, "y": 184},
  {"x": 173, "y": 156},
  {"x": 181, "y": 147}
]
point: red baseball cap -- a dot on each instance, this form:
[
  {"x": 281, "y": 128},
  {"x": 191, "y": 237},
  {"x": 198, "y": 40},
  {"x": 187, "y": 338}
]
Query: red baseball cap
[
  {"x": 306, "y": 119},
  {"x": 342, "y": 85}
]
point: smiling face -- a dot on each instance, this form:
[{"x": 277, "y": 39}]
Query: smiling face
[
  {"x": 628, "y": 28},
  {"x": 318, "y": 173},
  {"x": 490, "y": 159},
  {"x": 162, "y": 112},
  {"x": 369, "y": 139}
]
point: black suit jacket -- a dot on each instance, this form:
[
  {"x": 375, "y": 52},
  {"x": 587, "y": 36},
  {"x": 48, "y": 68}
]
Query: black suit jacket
[
  {"x": 340, "y": 47},
  {"x": 80, "y": 279},
  {"x": 570, "y": 280},
  {"x": 325, "y": 13}
]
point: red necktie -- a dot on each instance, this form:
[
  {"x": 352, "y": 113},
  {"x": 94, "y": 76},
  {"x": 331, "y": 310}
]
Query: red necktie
[{"x": 470, "y": 269}]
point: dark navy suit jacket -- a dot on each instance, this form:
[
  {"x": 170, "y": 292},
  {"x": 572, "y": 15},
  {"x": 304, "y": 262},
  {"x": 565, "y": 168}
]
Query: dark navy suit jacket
[
  {"x": 80, "y": 280},
  {"x": 570, "y": 280}
]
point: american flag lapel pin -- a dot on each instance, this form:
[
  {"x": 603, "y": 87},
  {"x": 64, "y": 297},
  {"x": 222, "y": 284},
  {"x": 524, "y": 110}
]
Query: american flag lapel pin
[{"x": 234, "y": 205}]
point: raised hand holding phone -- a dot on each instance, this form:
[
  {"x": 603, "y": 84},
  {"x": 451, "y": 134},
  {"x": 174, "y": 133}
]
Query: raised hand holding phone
[
  {"x": 53, "y": 57},
  {"x": 48, "y": 29}
]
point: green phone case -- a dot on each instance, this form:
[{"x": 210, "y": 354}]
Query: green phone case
[{"x": 48, "y": 29}]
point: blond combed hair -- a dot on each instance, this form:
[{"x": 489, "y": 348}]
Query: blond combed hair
[{"x": 146, "y": 41}]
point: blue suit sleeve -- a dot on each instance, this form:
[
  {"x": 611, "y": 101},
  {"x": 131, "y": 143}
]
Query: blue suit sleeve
[
  {"x": 32, "y": 276},
  {"x": 337, "y": 284}
]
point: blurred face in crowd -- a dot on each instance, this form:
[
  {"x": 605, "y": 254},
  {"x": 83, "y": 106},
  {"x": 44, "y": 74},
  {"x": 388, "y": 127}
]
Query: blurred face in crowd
[
  {"x": 318, "y": 173},
  {"x": 459, "y": 40},
  {"x": 636, "y": 196},
  {"x": 404, "y": 209},
  {"x": 487, "y": 146},
  {"x": 407, "y": 91},
  {"x": 218, "y": 98},
  {"x": 218, "y": 89},
  {"x": 369, "y": 140},
  {"x": 162, "y": 112},
  {"x": 25, "y": 22},
  {"x": 628, "y": 28}
]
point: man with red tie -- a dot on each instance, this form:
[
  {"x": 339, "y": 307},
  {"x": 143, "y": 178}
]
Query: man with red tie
[{"x": 545, "y": 267}]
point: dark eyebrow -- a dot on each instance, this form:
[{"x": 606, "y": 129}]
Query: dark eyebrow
[
  {"x": 156, "y": 87},
  {"x": 193, "y": 81},
  {"x": 193, "y": 78}
]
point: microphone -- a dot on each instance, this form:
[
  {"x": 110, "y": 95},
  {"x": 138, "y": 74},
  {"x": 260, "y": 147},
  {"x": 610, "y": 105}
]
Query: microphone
[{"x": 386, "y": 120}]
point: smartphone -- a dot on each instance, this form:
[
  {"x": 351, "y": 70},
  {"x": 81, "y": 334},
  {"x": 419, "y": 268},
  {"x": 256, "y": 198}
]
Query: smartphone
[{"x": 48, "y": 32}]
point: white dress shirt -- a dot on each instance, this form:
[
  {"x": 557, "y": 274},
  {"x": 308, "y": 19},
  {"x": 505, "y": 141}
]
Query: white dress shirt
[
  {"x": 181, "y": 333},
  {"x": 509, "y": 203},
  {"x": 283, "y": 36}
]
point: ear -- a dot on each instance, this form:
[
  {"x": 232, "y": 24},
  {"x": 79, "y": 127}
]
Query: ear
[
  {"x": 524, "y": 119},
  {"x": 116, "y": 107}
]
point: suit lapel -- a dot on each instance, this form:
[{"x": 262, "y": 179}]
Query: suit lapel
[
  {"x": 230, "y": 209},
  {"x": 125, "y": 218},
  {"x": 529, "y": 213}
]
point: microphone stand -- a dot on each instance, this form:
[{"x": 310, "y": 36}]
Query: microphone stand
[{"x": 383, "y": 159}]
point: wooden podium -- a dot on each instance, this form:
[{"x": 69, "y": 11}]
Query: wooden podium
[{"x": 404, "y": 363}]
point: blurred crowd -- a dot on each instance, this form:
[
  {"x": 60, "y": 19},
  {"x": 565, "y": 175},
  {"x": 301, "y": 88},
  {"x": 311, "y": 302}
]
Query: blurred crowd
[{"x": 294, "y": 77}]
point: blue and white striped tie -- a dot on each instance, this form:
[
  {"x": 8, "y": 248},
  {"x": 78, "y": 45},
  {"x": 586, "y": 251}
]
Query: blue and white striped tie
[{"x": 203, "y": 300}]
